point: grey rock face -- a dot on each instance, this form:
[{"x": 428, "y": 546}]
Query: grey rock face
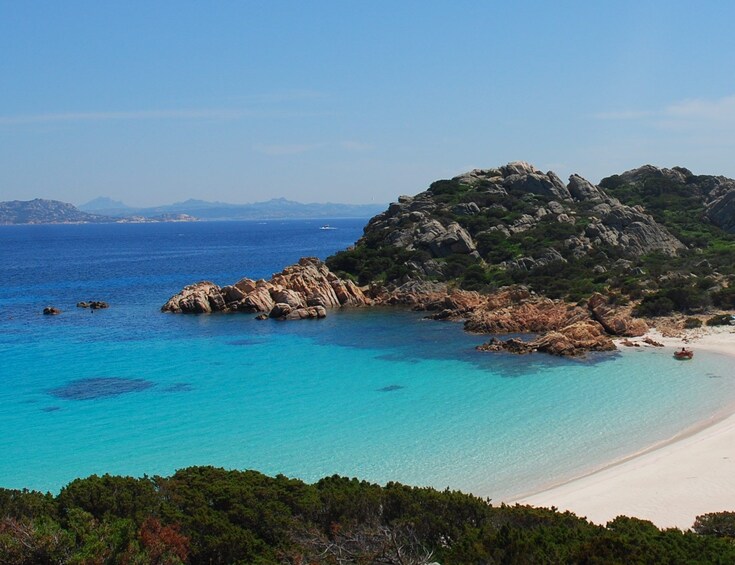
[
  {"x": 582, "y": 189},
  {"x": 717, "y": 193},
  {"x": 476, "y": 175},
  {"x": 722, "y": 211},
  {"x": 677, "y": 174},
  {"x": 529, "y": 263},
  {"x": 443, "y": 241},
  {"x": 519, "y": 199},
  {"x": 468, "y": 209},
  {"x": 538, "y": 183}
]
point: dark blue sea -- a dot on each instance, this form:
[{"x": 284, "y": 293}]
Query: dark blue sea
[{"x": 379, "y": 394}]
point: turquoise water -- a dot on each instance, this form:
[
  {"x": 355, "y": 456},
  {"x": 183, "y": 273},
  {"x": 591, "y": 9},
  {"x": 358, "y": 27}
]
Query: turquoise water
[{"x": 379, "y": 394}]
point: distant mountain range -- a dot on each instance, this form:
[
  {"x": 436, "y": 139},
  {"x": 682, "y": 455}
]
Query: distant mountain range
[
  {"x": 271, "y": 209},
  {"x": 106, "y": 210}
]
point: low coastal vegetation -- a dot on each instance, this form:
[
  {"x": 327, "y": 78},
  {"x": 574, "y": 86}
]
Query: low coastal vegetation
[{"x": 210, "y": 515}]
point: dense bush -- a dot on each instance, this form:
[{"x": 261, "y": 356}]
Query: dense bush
[
  {"x": 692, "y": 323},
  {"x": 209, "y": 515},
  {"x": 677, "y": 297},
  {"x": 367, "y": 264},
  {"x": 719, "y": 524},
  {"x": 724, "y": 298},
  {"x": 653, "y": 306},
  {"x": 720, "y": 320}
]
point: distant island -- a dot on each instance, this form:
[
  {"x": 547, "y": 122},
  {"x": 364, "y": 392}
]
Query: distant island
[
  {"x": 106, "y": 210},
  {"x": 273, "y": 209}
]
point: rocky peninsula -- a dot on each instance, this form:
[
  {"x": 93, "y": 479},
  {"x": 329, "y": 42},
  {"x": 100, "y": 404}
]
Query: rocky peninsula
[
  {"x": 513, "y": 249},
  {"x": 301, "y": 291}
]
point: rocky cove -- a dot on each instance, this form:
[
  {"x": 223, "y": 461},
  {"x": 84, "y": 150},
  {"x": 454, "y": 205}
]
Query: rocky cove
[
  {"x": 308, "y": 289},
  {"x": 514, "y": 250}
]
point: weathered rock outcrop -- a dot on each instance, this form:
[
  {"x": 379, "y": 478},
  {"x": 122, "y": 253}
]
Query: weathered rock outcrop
[
  {"x": 570, "y": 341},
  {"x": 304, "y": 290},
  {"x": 534, "y": 315},
  {"x": 615, "y": 321},
  {"x": 470, "y": 213},
  {"x": 715, "y": 193},
  {"x": 566, "y": 329}
]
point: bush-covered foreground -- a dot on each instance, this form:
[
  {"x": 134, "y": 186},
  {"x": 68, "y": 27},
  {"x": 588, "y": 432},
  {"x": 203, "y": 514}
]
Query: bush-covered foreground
[{"x": 209, "y": 515}]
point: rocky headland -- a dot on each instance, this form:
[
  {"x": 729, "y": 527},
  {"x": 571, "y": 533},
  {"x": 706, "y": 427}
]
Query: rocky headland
[
  {"x": 516, "y": 250},
  {"x": 301, "y": 291}
]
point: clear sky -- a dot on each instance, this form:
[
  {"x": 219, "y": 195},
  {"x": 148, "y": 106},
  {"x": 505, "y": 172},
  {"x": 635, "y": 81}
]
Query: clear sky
[{"x": 154, "y": 102}]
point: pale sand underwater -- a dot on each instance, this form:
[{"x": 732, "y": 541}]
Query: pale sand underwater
[{"x": 670, "y": 484}]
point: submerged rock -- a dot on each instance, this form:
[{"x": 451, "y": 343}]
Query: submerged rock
[
  {"x": 51, "y": 311},
  {"x": 99, "y": 387},
  {"x": 94, "y": 305}
]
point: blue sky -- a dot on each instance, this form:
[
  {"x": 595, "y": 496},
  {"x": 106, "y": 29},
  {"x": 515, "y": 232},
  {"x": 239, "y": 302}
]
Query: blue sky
[{"x": 155, "y": 102}]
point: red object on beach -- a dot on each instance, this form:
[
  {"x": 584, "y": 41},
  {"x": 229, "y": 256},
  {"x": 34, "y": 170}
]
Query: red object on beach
[{"x": 683, "y": 354}]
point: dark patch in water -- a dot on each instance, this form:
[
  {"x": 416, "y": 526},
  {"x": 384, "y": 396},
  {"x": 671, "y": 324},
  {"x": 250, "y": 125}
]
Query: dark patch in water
[
  {"x": 712, "y": 376},
  {"x": 99, "y": 387},
  {"x": 390, "y": 388},
  {"x": 179, "y": 387},
  {"x": 246, "y": 341},
  {"x": 399, "y": 357},
  {"x": 51, "y": 408}
]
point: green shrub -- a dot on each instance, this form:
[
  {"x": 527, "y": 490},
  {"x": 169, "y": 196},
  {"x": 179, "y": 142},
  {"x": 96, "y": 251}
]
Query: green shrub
[
  {"x": 724, "y": 298},
  {"x": 457, "y": 264},
  {"x": 654, "y": 306},
  {"x": 719, "y": 524},
  {"x": 209, "y": 515},
  {"x": 475, "y": 278},
  {"x": 675, "y": 298},
  {"x": 720, "y": 320},
  {"x": 692, "y": 323}
]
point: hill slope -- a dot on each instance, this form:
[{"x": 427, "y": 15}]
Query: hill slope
[{"x": 515, "y": 224}]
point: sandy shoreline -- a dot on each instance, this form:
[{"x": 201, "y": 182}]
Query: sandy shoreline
[{"x": 669, "y": 484}]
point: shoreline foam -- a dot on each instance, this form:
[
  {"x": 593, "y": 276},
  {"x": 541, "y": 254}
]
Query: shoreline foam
[{"x": 669, "y": 483}]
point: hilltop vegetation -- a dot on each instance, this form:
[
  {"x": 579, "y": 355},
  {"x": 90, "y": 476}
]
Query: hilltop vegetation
[
  {"x": 209, "y": 515},
  {"x": 663, "y": 236}
]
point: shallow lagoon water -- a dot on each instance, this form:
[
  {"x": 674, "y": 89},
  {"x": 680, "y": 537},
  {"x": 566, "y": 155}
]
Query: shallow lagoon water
[{"x": 379, "y": 394}]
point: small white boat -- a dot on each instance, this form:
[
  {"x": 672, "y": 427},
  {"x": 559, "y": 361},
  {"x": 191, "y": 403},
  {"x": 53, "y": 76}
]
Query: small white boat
[{"x": 327, "y": 227}]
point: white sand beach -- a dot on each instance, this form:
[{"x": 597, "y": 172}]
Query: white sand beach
[{"x": 670, "y": 484}]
